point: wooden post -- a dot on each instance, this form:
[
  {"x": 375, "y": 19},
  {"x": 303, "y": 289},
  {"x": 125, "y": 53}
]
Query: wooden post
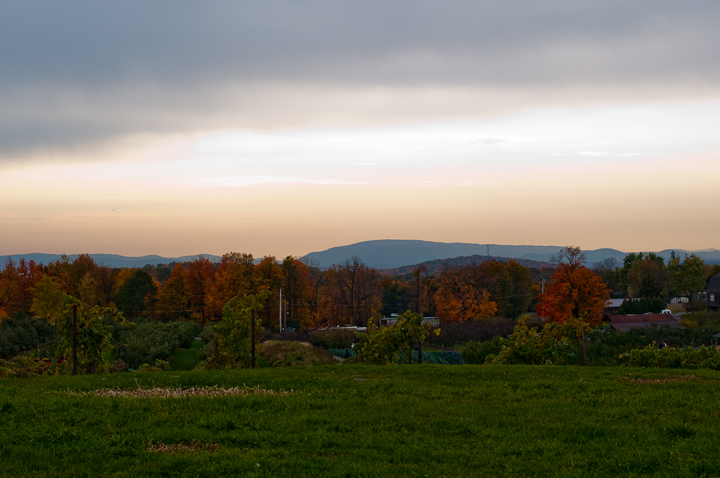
[
  {"x": 74, "y": 350},
  {"x": 419, "y": 351},
  {"x": 252, "y": 340},
  {"x": 584, "y": 347}
]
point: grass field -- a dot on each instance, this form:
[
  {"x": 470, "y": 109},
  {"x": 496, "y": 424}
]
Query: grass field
[
  {"x": 346, "y": 420},
  {"x": 187, "y": 359}
]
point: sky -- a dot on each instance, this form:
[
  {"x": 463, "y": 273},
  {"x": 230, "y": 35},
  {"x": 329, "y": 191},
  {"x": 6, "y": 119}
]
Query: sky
[{"x": 286, "y": 127}]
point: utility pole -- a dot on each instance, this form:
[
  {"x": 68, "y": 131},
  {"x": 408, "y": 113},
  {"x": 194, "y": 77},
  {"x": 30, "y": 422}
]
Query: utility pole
[
  {"x": 252, "y": 340},
  {"x": 280, "y": 311}
]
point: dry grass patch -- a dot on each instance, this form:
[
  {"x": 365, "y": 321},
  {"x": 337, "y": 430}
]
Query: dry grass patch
[
  {"x": 211, "y": 392},
  {"x": 679, "y": 378},
  {"x": 182, "y": 447}
]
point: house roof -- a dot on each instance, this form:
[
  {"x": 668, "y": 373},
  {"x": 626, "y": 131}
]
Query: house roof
[
  {"x": 623, "y": 323},
  {"x": 614, "y": 303},
  {"x": 714, "y": 284}
]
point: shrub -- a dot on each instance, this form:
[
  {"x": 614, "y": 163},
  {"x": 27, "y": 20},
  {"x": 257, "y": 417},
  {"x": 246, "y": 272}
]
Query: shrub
[
  {"x": 642, "y": 306},
  {"x": 695, "y": 306},
  {"x": 332, "y": 338},
  {"x": 120, "y": 366},
  {"x": 207, "y": 334},
  {"x": 706, "y": 319},
  {"x": 159, "y": 366},
  {"x": 22, "y": 333},
  {"x": 146, "y": 342},
  {"x": 555, "y": 343},
  {"x": 25, "y": 366},
  {"x": 285, "y": 353},
  {"x": 651, "y": 356},
  {"x": 480, "y": 331},
  {"x": 186, "y": 332},
  {"x": 439, "y": 358},
  {"x": 476, "y": 352}
]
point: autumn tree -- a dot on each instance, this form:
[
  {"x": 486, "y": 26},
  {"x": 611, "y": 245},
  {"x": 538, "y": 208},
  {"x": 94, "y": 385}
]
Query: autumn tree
[
  {"x": 317, "y": 279},
  {"x": 16, "y": 283},
  {"x": 686, "y": 277},
  {"x": 200, "y": 276},
  {"x": 298, "y": 290},
  {"x": 574, "y": 290},
  {"x": 510, "y": 286},
  {"x": 269, "y": 277},
  {"x": 233, "y": 277},
  {"x": 648, "y": 277},
  {"x": 174, "y": 297},
  {"x": 460, "y": 297},
  {"x": 354, "y": 287},
  {"x": 393, "y": 296},
  {"x": 137, "y": 293},
  {"x": 233, "y": 340}
]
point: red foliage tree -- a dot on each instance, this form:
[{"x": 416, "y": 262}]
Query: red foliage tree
[{"x": 574, "y": 290}]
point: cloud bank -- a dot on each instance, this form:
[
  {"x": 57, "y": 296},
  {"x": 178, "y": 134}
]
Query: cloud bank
[{"x": 79, "y": 74}]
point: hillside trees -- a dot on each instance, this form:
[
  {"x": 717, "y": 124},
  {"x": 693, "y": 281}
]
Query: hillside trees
[{"x": 574, "y": 291}]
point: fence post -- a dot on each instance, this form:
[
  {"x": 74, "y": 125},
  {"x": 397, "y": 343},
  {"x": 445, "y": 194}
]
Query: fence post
[{"x": 419, "y": 352}]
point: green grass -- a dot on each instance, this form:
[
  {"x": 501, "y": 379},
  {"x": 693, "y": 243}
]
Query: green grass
[
  {"x": 353, "y": 420},
  {"x": 187, "y": 359}
]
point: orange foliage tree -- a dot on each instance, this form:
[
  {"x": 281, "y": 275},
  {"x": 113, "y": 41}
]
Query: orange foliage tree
[
  {"x": 233, "y": 277},
  {"x": 574, "y": 290},
  {"x": 459, "y": 298},
  {"x": 175, "y": 296},
  {"x": 200, "y": 278}
]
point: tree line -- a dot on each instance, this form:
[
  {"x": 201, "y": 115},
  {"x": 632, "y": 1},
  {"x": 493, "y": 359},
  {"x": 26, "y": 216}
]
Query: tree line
[{"x": 350, "y": 293}]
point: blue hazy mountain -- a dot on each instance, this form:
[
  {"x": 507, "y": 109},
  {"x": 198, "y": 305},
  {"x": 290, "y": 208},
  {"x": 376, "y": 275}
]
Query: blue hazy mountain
[
  {"x": 386, "y": 254},
  {"x": 112, "y": 260},
  {"x": 391, "y": 253}
]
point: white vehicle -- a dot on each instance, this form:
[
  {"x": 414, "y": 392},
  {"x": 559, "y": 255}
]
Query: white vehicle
[{"x": 666, "y": 311}]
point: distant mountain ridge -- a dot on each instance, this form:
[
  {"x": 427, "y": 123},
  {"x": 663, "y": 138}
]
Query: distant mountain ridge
[
  {"x": 111, "y": 260},
  {"x": 394, "y": 253},
  {"x": 386, "y": 254},
  {"x": 437, "y": 265}
]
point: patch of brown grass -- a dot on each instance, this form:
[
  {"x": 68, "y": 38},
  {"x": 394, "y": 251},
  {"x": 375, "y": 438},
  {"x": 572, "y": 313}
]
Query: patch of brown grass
[
  {"x": 678, "y": 378},
  {"x": 182, "y": 447},
  {"x": 211, "y": 392}
]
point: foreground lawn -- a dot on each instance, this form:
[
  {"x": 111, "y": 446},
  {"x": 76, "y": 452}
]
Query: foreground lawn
[{"x": 428, "y": 420}]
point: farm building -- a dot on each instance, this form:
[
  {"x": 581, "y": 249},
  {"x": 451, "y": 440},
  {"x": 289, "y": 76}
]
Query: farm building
[
  {"x": 623, "y": 323},
  {"x": 713, "y": 292}
]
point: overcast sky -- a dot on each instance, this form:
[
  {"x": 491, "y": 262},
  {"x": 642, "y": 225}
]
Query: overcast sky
[{"x": 177, "y": 127}]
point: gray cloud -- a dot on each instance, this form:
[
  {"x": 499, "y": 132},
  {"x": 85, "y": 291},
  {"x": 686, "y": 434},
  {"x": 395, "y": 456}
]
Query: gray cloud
[{"x": 80, "y": 71}]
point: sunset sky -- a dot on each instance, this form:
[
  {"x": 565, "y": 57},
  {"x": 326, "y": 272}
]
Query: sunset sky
[{"x": 286, "y": 127}]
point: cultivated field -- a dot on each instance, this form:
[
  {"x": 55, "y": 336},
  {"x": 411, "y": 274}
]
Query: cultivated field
[{"x": 427, "y": 420}]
